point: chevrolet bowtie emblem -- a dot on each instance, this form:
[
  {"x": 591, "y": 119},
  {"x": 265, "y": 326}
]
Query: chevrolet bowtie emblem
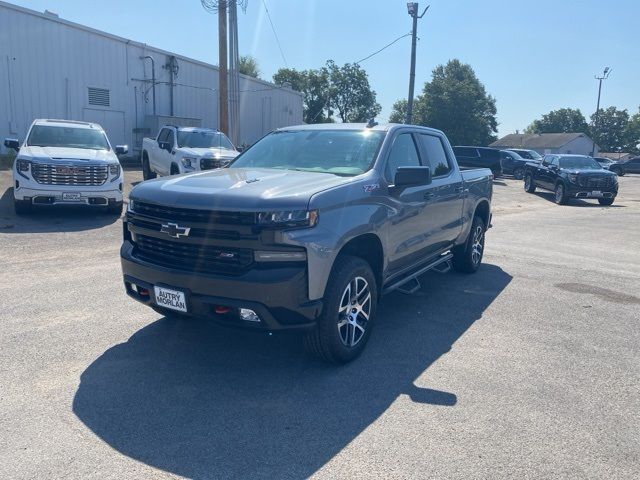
[{"x": 174, "y": 230}]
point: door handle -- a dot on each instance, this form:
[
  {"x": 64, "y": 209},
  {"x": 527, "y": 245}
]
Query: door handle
[{"x": 429, "y": 195}]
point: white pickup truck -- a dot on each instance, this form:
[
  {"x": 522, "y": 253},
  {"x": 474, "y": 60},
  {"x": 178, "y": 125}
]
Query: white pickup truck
[
  {"x": 64, "y": 162},
  {"x": 185, "y": 149}
]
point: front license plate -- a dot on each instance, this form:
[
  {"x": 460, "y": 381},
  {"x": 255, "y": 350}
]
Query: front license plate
[
  {"x": 71, "y": 196},
  {"x": 168, "y": 298},
  {"x": 596, "y": 193}
]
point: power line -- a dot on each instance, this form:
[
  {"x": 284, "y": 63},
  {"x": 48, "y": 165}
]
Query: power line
[
  {"x": 383, "y": 48},
  {"x": 264, "y": 2}
]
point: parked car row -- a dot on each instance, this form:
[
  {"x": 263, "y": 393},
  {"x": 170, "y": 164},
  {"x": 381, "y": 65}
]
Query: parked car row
[{"x": 510, "y": 162}]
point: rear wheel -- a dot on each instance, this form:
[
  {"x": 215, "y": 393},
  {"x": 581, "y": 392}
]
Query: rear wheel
[
  {"x": 22, "y": 207},
  {"x": 529, "y": 184},
  {"x": 518, "y": 173},
  {"x": 606, "y": 201},
  {"x": 344, "y": 327},
  {"x": 468, "y": 256},
  {"x": 147, "y": 174},
  {"x": 560, "y": 194}
]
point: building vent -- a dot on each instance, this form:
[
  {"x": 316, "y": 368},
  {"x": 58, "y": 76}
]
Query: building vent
[{"x": 99, "y": 96}]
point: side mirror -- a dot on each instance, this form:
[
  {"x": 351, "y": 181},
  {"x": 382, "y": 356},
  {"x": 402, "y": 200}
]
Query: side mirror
[
  {"x": 165, "y": 146},
  {"x": 12, "y": 143},
  {"x": 412, "y": 177},
  {"x": 122, "y": 149}
]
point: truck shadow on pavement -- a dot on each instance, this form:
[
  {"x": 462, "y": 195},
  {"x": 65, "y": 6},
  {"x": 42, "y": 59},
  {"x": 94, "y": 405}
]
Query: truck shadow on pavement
[
  {"x": 51, "y": 219},
  {"x": 203, "y": 401}
]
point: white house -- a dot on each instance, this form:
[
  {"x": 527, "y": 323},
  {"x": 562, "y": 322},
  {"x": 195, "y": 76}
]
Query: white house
[{"x": 576, "y": 143}]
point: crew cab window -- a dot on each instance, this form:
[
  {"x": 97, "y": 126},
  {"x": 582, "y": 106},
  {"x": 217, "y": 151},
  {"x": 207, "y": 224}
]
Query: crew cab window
[
  {"x": 436, "y": 155},
  {"x": 554, "y": 161},
  {"x": 403, "y": 154}
]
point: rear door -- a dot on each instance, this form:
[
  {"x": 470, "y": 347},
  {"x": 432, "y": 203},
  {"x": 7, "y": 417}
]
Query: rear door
[{"x": 445, "y": 195}]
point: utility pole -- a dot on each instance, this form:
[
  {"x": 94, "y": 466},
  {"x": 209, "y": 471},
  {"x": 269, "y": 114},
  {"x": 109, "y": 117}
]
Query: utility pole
[
  {"x": 223, "y": 97},
  {"x": 604, "y": 76},
  {"x": 412, "y": 8}
]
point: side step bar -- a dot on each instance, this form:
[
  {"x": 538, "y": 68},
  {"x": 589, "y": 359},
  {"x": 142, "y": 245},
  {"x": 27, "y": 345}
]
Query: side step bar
[{"x": 410, "y": 284}]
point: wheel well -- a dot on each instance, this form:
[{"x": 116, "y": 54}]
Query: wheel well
[
  {"x": 482, "y": 211},
  {"x": 369, "y": 248},
  {"x": 174, "y": 168}
]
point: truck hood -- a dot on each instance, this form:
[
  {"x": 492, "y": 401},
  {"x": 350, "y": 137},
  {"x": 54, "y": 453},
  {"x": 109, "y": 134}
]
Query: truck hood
[
  {"x": 210, "y": 152},
  {"x": 67, "y": 153},
  {"x": 240, "y": 189}
]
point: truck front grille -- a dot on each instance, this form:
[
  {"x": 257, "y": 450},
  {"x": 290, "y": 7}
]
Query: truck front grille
[
  {"x": 77, "y": 175},
  {"x": 191, "y": 216},
  {"x": 592, "y": 181},
  {"x": 192, "y": 257}
]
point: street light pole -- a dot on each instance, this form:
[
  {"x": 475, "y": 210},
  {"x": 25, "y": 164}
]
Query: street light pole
[
  {"x": 412, "y": 8},
  {"x": 604, "y": 76}
]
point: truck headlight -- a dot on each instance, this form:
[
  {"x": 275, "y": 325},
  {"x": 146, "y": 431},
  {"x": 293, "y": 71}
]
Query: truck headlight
[
  {"x": 23, "y": 166},
  {"x": 114, "y": 170},
  {"x": 189, "y": 162},
  {"x": 573, "y": 177},
  {"x": 288, "y": 218},
  {"x": 130, "y": 206}
]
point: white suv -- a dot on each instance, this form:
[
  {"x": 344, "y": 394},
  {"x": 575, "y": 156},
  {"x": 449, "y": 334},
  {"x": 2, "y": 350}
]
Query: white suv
[{"x": 66, "y": 162}]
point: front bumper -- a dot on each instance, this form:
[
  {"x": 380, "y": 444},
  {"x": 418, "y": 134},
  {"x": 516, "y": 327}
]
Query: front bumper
[
  {"x": 577, "y": 191},
  {"x": 40, "y": 194},
  {"x": 277, "y": 295}
]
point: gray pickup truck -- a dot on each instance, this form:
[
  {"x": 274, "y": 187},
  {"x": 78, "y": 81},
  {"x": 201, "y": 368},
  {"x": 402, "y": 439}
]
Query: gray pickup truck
[{"x": 307, "y": 229}]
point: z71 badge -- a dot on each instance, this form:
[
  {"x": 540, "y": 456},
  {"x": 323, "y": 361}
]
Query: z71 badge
[{"x": 371, "y": 187}]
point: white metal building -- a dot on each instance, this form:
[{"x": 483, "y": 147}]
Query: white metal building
[{"x": 53, "y": 68}]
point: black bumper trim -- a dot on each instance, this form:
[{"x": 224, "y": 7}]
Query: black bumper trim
[{"x": 278, "y": 296}]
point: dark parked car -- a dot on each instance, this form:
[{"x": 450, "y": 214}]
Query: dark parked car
[
  {"x": 479, "y": 157},
  {"x": 630, "y": 166},
  {"x": 605, "y": 162},
  {"x": 572, "y": 176},
  {"x": 513, "y": 164},
  {"x": 527, "y": 154}
]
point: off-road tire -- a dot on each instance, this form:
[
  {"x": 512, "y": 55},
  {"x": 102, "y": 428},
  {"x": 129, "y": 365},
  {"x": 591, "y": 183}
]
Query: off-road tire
[
  {"x": 22, "y": 207},
  {"x": 325, "y": 340},
  {"x": 560, "y": 194},
  {"x": 529, "y": 184},
  {"x": 606, "y": 201},
  {"x": 468, "y": 256}
]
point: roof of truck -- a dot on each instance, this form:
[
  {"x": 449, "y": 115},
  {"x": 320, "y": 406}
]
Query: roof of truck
[
  {"x": 66, "y": 123},
  {"x": 382, "y": 127}
]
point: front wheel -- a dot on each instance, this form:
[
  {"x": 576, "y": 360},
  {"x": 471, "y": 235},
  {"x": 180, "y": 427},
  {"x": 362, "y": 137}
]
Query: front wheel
[
  {"x": 344, "y": 327},
  {"x": 606, "y": 201},
  {"x": 468, "y": 256},
  {"x": 529, "y": 184},
  {"x": 560, "y": 194}
]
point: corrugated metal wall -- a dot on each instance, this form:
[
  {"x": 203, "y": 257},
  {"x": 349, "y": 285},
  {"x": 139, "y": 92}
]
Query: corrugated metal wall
[{"x": 48, "y": 64}]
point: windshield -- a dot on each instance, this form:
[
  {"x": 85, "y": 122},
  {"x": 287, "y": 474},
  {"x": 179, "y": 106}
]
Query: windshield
[
  {"x": 582, "y": 163},
  {"x": 340, "y": 152},
  {"x": 71, "y": 137},
  {"x": 529, "y": 154},
  {"x": 203, "y": 139}
]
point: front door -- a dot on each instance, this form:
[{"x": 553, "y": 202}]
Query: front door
[{"x": 410, "y": 232}]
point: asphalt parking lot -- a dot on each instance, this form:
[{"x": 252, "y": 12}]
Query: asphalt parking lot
[{"x": 528, "y": 369}]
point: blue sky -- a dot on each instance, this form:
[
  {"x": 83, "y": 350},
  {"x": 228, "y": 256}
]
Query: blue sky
[{"x": 532, "y": 56}]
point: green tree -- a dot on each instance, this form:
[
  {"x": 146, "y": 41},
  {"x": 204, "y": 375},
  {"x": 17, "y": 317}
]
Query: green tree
[
  {"x": 457, "y": 103},
  {"x": 399, "y": 111},
  {"x": 249, "y": 66},
  {"x": 609, "y": 129},
  {"x": 632, "y": 134},
  {"x": 350, "y": 93},
  {"x": 564, "y": 120},
  {"x": 314, "y": 86}
]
